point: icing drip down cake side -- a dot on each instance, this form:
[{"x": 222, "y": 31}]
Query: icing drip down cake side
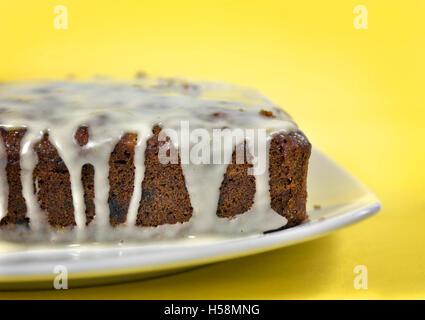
[{"x": 146, "y": 159}]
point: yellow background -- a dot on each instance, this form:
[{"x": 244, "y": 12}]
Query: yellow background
[{"x": 358, "y": 95}]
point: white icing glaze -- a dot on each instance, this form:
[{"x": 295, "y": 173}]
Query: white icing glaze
[
  {"x": 28, "y": 163},
  {"x": 139, "y": 160},
  {"x": 110, "y": 109}
]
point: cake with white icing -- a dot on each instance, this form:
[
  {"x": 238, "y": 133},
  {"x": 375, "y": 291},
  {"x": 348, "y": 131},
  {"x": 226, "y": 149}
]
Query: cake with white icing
[{"x": 83, "y": 159}]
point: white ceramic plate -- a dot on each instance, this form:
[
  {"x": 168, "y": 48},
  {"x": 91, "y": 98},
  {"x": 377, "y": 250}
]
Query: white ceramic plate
[{"x": 342, "y": 198}]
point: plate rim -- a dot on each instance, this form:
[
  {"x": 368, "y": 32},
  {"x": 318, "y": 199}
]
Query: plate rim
[{"x": 265, "y": 243}]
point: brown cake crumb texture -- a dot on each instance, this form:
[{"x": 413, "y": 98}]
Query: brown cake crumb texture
[
  {"x": 165, "y": 198},
  {"x": 16, "y": 207},
  {"x": 52, "y": 184},
  {"x": 87, "y": 179},
  {"x": 288, "y": 162},
  {"x": 121, "y": 178},
  {"x": 237, "y": 190},
  {"x": 164, "y": 194}
]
